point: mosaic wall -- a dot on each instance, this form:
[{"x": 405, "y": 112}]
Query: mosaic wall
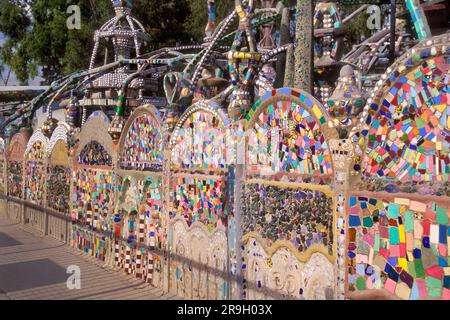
[
  {"x": 58, "y": 191},
  {"x": 303, "y": 217},
  {"x": 37, "y": 151},
  {"x": 143, "y": 144},
  {"x": 2, "y": 166},
  {"x": 203, "y": 142},
  {"x": 140, "y": 196},
  {"x": 35, "y": 172},
  {"x": 15, "y": 172},
  {"x": 94, "y": 153},
  {"x": 93, "y": 191},
  {"x": 199, "y": 265},
  {"x": 89, "y": 242},
  {"x": 198, "y": 199},
  {"x": 286, "y": 137},
  {"x": 278, "y": 273},
  {"x": 408, "y": 138},
  {"x": 400, "y": 245},
  {"x": 35, "y": 182}
]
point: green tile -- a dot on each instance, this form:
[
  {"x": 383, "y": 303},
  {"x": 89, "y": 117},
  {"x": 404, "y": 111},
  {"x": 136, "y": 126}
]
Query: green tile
[
  {"x": 376, "y": 245},
  {"x": 393, "y": 235},
  {"x": 433, "y": 282},
  {"x": 367, "y": 222},
  {"x": 409, "y": 221},
  {"x": 418, "y": 266},
  {"x": 441, "y": 216},
  {"x": 411, "y": 269},
  {"x": 361, "y": 283},
  {"x": 435, "y": 292},
  {"x": 393, "y": 210}
]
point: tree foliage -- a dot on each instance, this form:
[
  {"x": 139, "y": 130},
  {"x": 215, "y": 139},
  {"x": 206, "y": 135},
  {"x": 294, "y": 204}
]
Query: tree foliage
[
  {"x": 198, "y": 18},
  {"x": 38, "y": 41}
]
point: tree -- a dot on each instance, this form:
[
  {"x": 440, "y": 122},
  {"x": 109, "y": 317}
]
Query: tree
[
  {"x": 14, "y": 23},
  {"x": 163, "y": 20},
  {"x": 199, "y": 16},
  {"x": 37, "y": 38}
]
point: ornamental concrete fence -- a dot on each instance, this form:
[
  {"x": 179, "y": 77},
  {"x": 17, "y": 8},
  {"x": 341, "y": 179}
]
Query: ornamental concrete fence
[{"x": 277, "y": 205}]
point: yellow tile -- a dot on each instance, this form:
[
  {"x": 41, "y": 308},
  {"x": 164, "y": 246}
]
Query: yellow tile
[
  {"x": 402, "y": 263},
  {"x": 401, "y": 233},
  {"x": 410, "y": 256},
  {"x": 447, "y": 271},
  {"x": 440, "y": 107},
  {"x": 316, "y": 111}
]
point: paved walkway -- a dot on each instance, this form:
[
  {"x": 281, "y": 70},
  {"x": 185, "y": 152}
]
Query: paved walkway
[{"x": 34, "y": 267}]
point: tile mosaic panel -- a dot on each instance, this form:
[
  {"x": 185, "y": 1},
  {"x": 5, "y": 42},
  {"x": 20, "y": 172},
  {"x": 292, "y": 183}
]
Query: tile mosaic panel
[
  {"x": 198, "y": 199},
  {"x": 35, "y": 182},
  {"x": 140, "y": 196},
  {"x": 286, "y": 137},
  {"x": 203, "y": 142},
  {"x": 94, "y": 153},
  {"x": 92, "y": 197},
  {"x": 408, "y": 138},
  {"x": 143, "y": 144},
  {"x": 15, "y": 171},
  {"x": 2, "y": 175},
  {"x": 58, "y": 188},
  {"x": 36, "y": 152},
  {"x": 401, "y": 245},
  {"x": 2, "y": 166},
  {"x": 302, "y": 216}
]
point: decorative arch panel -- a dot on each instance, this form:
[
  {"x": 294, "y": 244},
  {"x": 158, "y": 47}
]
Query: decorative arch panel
[
  {"x": 398, "y": 212},
  {"x": 288, "y": 205},
  {"x": 141, "y": 145},
  {"x": 35, "y": 168},
  {"x": 59, "y": 171},
  {"x": 15, "y": 158},
  {"x": 93, "y": 178}
]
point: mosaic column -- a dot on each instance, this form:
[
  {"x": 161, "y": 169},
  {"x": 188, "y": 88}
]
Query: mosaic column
[
  {"x": 165, "y": 224},
  {"x": 342, "y": 154},
  {"x": 284, "y": 39},
  {"x": 304, "y": 45},
  {"x": 237, "y": 271},
  {"x": 289, "y": 68}
]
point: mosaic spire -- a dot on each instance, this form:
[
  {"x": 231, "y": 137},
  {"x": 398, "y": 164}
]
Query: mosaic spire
[{"x": 346, "y": 100}]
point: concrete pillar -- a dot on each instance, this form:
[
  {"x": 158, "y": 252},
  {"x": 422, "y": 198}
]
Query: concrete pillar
[
  {"x": 304, "y": 57},
  {"x": 284, "y": 39},
  {"x": 342, "y": 153}
]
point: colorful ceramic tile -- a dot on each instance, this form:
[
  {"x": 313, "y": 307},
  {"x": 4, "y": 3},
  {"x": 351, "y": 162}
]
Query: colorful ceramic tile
[
  {"x": 303, "y": 217},
  {"x": 412, "y": 252}
]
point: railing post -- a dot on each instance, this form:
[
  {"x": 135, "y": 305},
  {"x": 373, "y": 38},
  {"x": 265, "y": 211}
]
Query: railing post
[
  {"x": 239, "y": 177},
  {"x": 46, "y": 223}
]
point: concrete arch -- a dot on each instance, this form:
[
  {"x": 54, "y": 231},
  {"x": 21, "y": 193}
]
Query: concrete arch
[
  {"x": 161, "y": 128},
  {"x": 313, "y": 109},
  {"x": 16, "y": 148},
  {"x": 220, "y": 132},
  {"x": 427, "y": 48},
  {"x": 96, "y": 129},
  {"x": 206, "y": 106},
  {"x": 304, "y": 99},
  {"x": 60, "y": 134},
  {"x": 407, "y": 112},
  {"x": 38, "y": 136}
]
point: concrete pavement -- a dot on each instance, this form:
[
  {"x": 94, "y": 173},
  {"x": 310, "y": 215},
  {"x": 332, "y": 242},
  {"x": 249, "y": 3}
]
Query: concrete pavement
[{"x": 34, "y": 267}]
